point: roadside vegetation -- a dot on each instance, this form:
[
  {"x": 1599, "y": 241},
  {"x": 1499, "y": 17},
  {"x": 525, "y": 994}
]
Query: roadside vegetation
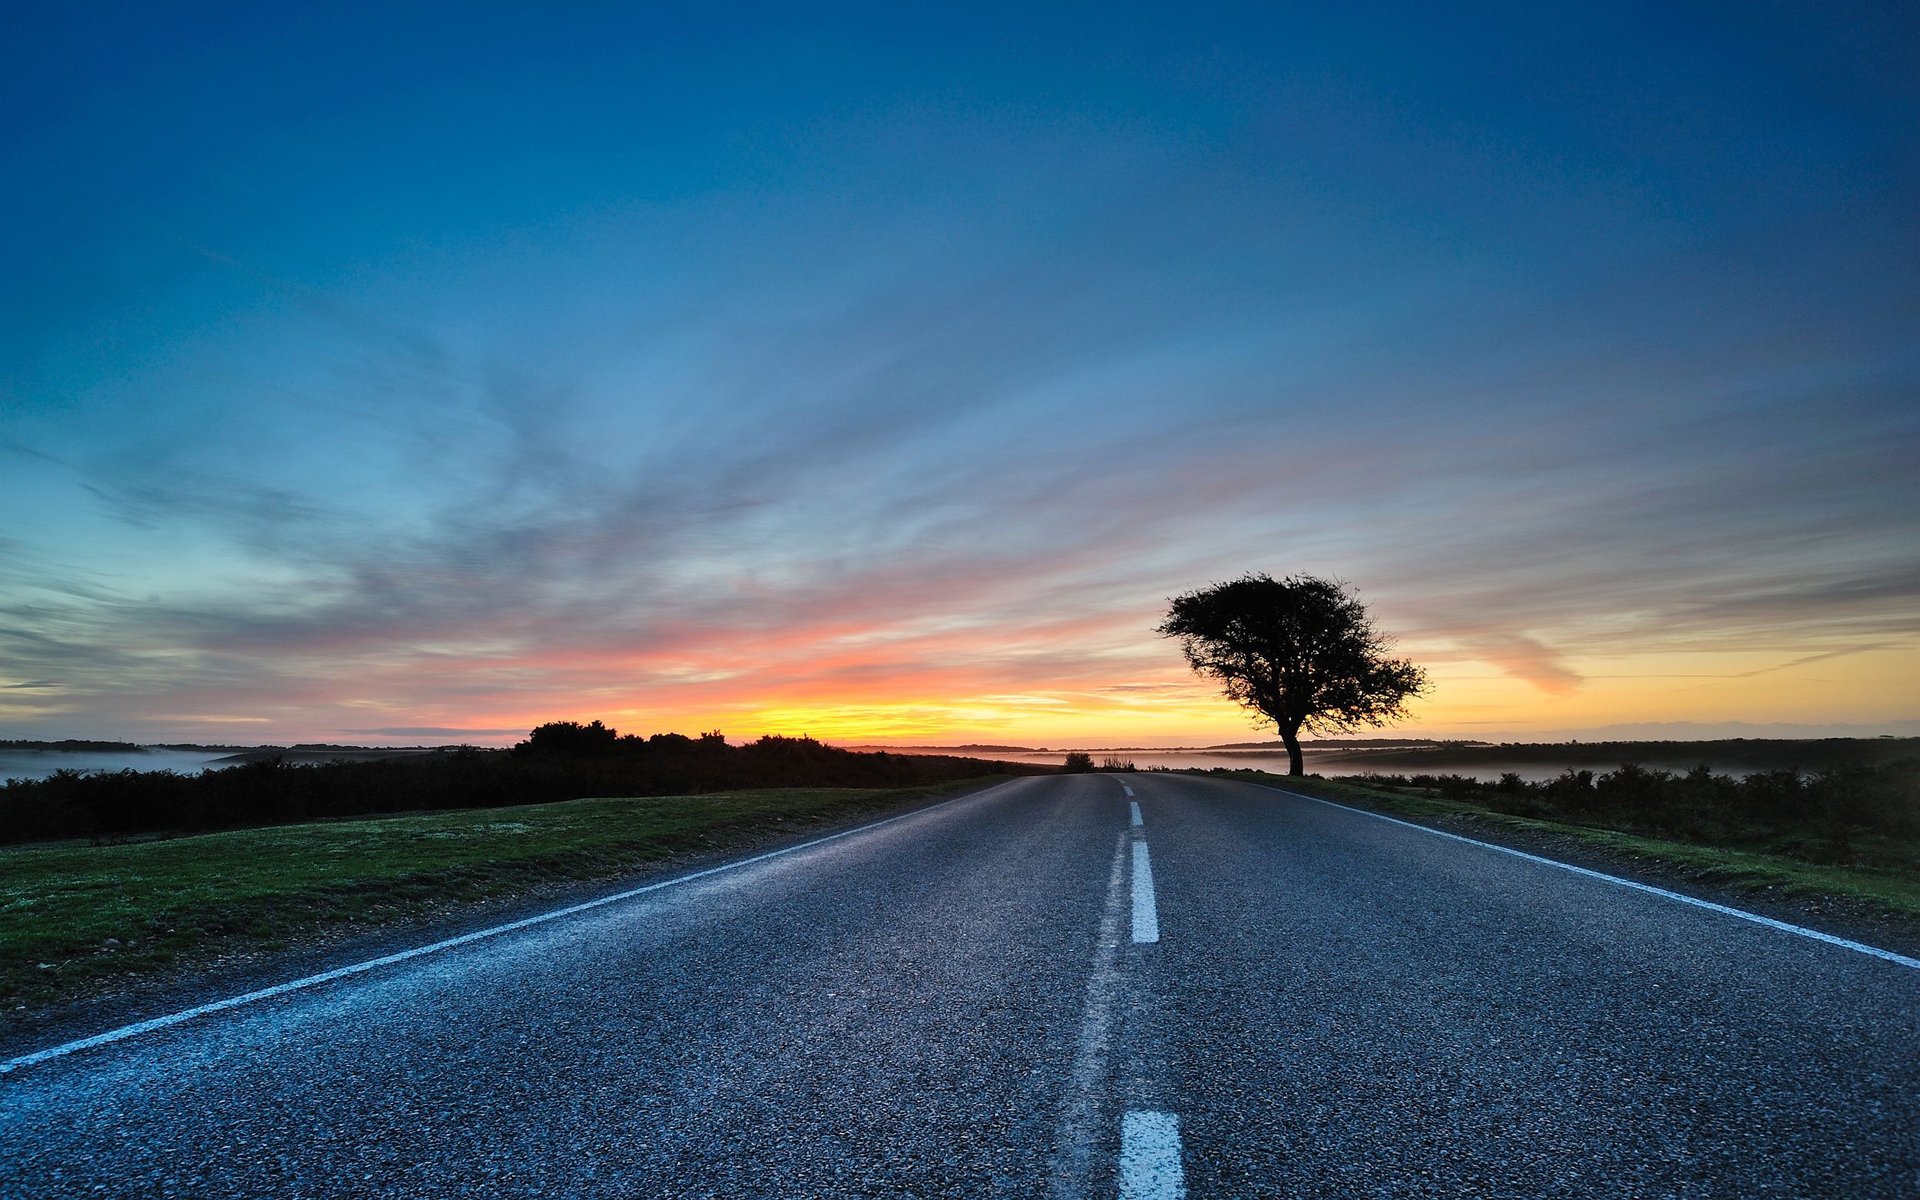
[
  {"x": 1851, "y": 832},
  {"x": 560, "y": 761},
  {"x": 1861, "y": 815},
  {"x": 1729, "y": 755},
  {"x": 76, "y": 920}
]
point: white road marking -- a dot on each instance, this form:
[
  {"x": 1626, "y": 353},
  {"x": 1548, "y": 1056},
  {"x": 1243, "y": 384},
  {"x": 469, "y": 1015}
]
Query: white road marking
[
  {"x": 1150, "y": 1157},
  {"x": 281, "y": 989},
  {"x": 1134, "y": 806},
  {"x": 1127, "y": 789},
  {"x": 1146, "y": 915},
  {"x": 1080, "y": 1112},
  {"x": 1756, "y": 918}
]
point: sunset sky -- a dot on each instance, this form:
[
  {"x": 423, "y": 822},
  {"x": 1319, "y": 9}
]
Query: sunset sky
[{"x": 421, "y": 373}]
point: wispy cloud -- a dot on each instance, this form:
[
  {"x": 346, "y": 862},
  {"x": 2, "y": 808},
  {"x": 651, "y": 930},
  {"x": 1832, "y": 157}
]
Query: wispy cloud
[
  {"x": 430, "y": 731},
  {"x": 728, "y": 435}
]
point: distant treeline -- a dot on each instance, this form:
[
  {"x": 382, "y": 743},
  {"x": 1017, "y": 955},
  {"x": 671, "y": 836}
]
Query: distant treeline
[
  {"x": 72, "y": 746},
  {"x": 560, "y": 761},
  {"x": 1804, "y": 754},
  {"x": 1863, "y": 814}
]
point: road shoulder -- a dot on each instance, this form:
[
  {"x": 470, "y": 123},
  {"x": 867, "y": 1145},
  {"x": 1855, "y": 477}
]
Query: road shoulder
[
  {"x": 1673, "y": 866},
  {"x": 233, "y": 966}
]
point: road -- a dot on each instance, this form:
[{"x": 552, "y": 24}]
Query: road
[{"x": 1023, "y": 992}]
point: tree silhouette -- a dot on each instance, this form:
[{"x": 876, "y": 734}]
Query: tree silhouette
[
  {"x": 1300, "y": 650},
  {"x": 570, "y": 737}
]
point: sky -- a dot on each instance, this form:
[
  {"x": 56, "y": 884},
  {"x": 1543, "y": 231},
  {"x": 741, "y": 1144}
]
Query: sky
[{"x": 414, "y": 374}]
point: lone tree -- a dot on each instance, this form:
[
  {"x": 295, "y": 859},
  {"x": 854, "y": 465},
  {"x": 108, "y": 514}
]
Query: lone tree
[{"x": 1300, "y": 650}]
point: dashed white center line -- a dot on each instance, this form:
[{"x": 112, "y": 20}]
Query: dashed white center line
[
  {"x": 1127, "y": 789},
  {"x": 1150, "y": 1157},
  {"x": 1073, "y": 1148},
  {"x": 1146, "y": 915},
  {"x": 1135, "y": 806}
]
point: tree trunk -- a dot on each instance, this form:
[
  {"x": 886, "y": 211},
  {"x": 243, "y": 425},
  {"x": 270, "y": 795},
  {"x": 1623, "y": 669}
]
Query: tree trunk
[{"x": 1291, "y": 736}]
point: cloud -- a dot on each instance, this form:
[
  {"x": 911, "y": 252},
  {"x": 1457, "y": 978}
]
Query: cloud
[
  {"x": 431, "y": 731},
  {"x": 1680, "y": 731},
  {"x": 955, "y": 436},
  {"x": 1525, "y": 658},
  {"x": 262, "y": 516},
  {"x": 747, "y": 572}
]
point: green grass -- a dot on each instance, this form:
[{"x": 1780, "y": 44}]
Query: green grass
[
  {"x": 1890, "y": 893},
  {"x": 78, "y": 919}
]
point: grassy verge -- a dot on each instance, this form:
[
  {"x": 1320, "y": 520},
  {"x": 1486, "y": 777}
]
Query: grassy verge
[
  {"x": 77, "y": 920},
  {"x": 1886, "y": 893}
]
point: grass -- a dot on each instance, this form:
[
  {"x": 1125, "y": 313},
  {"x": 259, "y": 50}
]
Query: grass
[
  {"x": 1890, "y": 893},
  {"x": 76, "y": 920}
]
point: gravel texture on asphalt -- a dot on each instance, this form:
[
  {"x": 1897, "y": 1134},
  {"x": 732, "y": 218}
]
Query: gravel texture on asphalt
[{"x": 1337, "y": 1006}]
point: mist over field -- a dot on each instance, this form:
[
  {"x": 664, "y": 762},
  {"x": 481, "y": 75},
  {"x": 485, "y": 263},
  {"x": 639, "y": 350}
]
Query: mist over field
[{"x": 38, "y": 764}]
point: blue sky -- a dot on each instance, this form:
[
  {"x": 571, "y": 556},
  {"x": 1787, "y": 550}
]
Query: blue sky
[{"x": 374, "y": 373}]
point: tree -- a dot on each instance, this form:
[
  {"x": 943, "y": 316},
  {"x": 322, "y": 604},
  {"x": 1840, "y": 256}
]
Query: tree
[
  {"x": 1299, "y": 650},
  {"x": 570, "y": 737}
]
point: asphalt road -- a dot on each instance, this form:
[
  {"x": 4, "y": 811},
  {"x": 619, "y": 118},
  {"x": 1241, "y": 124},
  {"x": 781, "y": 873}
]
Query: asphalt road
[{"x": 1023, "y": 993}]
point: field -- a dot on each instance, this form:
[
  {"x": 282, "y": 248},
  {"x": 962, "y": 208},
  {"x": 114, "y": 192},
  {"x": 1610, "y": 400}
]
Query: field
[
  {"x": 76, "y": 919},
  {"x": 188, "y": 873}
]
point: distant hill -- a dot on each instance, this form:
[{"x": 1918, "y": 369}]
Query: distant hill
[{"x": 307, "y": 753}]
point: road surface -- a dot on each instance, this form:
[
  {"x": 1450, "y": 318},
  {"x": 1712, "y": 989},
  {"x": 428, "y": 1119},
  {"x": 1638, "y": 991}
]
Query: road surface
[{"x": 1053, "y": 989}]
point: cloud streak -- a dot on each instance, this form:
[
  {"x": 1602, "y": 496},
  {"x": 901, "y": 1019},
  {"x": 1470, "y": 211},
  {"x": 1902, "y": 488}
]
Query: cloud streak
[{"x": 724, "y": 436}]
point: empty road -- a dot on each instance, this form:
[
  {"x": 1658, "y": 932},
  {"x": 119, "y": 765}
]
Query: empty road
[{"x": 1052, "y": 988}]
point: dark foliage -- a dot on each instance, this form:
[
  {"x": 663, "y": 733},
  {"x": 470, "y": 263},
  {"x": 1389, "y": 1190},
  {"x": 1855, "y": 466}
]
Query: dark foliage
[
  {"x": 563, "y": 761},
  {"x": 1863, "y": 813},
  {"x": 1078, "y": 763},
  {"x": 1300, "y": 651},
  {"x": 1745, "y": 754}
]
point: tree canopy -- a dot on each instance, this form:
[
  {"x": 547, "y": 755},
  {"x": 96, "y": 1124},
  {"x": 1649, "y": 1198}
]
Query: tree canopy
[{"x": 1300, "y": 650}]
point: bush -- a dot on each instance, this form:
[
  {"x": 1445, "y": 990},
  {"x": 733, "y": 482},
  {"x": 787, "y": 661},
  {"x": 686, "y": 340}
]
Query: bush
[
  {"x": 1077, "y": 763},
  {"x": 1848, "y": 814},
  {"x": 559, "y": 761}
]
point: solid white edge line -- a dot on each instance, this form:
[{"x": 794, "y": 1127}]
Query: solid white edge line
[
  {"x": 1150, "y": 1157},
  {"x": 295, "y": 985},
  {"x": 1756, "y": 918},
  {"x": 1133, "y": 807},
  {"x": 1146, "y": 914}
]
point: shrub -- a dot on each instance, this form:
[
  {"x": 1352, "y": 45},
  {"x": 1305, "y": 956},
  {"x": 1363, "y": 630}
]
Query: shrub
[
  {"x": 1846, "y": 814},
  {"x": 560, "y": 761}
]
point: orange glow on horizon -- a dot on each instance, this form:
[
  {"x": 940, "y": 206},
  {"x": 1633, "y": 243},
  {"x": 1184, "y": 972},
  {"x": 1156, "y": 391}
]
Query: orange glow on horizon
[
  {"x": 860, "y": 695},
  {"x": 1091, "y": 680}
]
